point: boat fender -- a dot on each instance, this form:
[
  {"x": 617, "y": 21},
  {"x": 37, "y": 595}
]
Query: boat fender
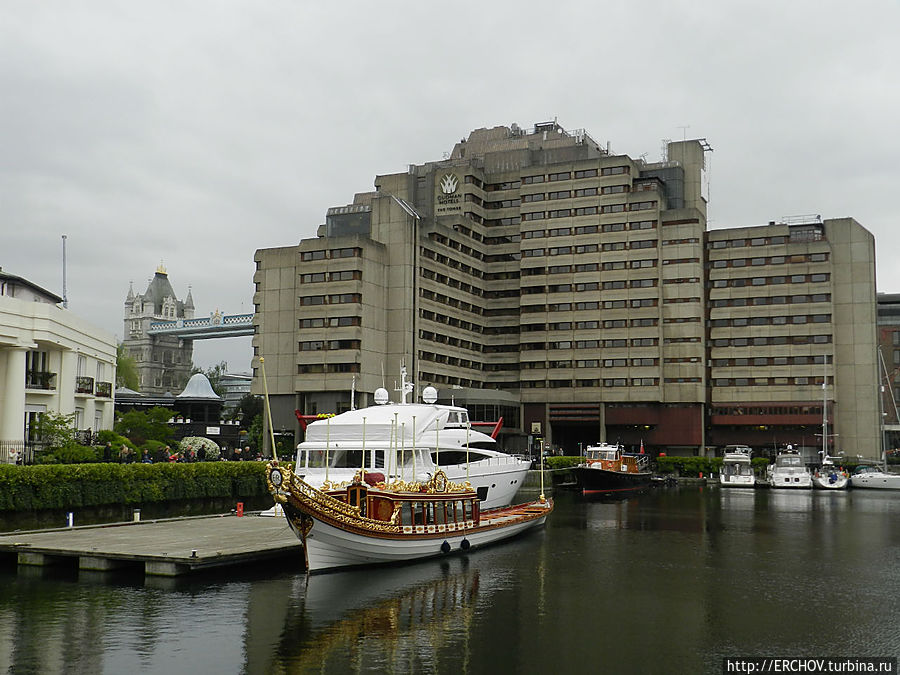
[
  {"x": 445, "y": 547},
  {"x": 465, "y": 545}
]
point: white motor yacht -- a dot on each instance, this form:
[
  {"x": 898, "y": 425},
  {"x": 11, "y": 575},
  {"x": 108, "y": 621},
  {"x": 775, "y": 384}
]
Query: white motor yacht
[
  {"x": 410, "y": 441},
  {"x": 737, "y": 471},
  {"x": 789, "y": 471}
]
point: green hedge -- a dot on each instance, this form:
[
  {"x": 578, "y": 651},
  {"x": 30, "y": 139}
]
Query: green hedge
[
  {"x": 66, "y": 486},
  {"x": 564, "y": 462}
]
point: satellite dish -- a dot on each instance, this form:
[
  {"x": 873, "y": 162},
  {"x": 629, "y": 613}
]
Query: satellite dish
[
  {"x": 381, "y": 396},
  {"x": 429, "y": 395}
]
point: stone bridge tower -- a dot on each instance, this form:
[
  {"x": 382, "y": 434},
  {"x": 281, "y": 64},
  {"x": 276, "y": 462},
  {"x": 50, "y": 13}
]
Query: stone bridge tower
[{"x": 163, "y": 362}]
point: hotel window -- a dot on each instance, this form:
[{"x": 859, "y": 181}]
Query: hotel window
[
  {"x": 646, "y": 225},
  {"x": 614, "y": 189},
  {"x": 559, "y": 213},
  {"x": 312, "y": 255},
  {"x": 614, "y": 170},
  {"x": 587, "y": 248},
  {"x": 637, "y": 264},
  {"x": 614, "y": 227},
  {"x": 586, "y": 229},
  {"x": 586, "y": 192},
  {"x": 589, "y": 267},
  {"x": 614, "y": 363},
  {"x": 529, "y": 180},
  {"x": 642, "y": 206},
  {"x": 592, "y": 286},
  {"x": 587, "y": 211},
  {"x": 613, "y": 208},
  {"x": 536, "y": 197},
  {"x": 563, "y": 175},
  {"x": 560, "y": 194},
  {"x": 586, "y": 173},
  {"x": 345, "y": 252},
  {"x": 559, "y": 231},
  {"x": 533, "y": 215}
]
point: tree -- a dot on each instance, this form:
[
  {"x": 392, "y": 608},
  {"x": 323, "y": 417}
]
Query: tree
[
  {"x": 56, "y": 430},
  {"x": 126, "y": 369},
  {"x": 143, "y": 426},
  {"x": 247, "y": 409},
  {"x": 214, "y": 375}
]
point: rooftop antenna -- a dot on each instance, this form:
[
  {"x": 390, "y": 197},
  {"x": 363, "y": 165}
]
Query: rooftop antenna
[{"x": 65, "y": 297}]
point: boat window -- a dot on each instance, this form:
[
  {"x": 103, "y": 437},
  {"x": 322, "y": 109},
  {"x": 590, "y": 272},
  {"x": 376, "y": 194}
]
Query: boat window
[{"x": 440, "y": 513}]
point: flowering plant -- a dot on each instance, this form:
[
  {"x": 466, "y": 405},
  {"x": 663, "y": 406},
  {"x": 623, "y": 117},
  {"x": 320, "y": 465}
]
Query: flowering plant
[{"x": 195, "y": 443}]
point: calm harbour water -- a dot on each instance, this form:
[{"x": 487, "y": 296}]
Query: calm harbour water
[{"x": 670, "y": 581}]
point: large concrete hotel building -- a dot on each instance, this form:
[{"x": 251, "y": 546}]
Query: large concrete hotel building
[{"x": 578, "y": 293}]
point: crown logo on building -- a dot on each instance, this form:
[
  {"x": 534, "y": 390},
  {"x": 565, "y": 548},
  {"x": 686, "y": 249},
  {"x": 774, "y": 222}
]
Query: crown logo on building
[{"x": 449, "y": 183}]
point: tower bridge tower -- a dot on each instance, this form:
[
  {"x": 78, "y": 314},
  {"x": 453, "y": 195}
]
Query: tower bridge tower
[{"x": 163, "y": 362}]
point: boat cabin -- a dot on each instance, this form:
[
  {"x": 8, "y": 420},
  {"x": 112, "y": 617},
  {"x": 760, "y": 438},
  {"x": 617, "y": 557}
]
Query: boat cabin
[
  {"x": 419, "y": 508},
  {"x": 611, "y": 458}
]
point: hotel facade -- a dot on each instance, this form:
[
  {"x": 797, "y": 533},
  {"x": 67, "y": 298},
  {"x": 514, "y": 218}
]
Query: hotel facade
[{"x": 577, "y": 292}]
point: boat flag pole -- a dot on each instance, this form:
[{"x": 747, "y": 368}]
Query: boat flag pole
[
  {"x": 362, "y": 463},
  {"x": 327, "y": 445},
  {"x": 262, "y": 367}
]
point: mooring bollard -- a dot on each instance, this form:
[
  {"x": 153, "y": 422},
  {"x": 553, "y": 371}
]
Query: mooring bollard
[
  {"x": 137, "y": 515},
  {"x": 70, "y": 519},
  {"x": 240, "y": 509}
]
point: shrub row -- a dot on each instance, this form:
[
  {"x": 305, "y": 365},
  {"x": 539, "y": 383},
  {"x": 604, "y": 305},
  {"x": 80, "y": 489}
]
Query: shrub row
[{"x": 66, "y": 486}]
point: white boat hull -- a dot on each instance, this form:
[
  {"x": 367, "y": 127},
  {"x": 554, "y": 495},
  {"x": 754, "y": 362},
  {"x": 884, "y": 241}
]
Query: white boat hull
[
  {"x": 737, "y": 481},
  {"x": 832, "y": 481},
  {"x": 795, "y": 480},
  {"x": 328, "y": 547},
  {"x": 876, "y": 481}
]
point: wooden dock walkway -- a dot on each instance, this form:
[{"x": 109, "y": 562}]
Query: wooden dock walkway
[{"x": 169, "y": 547}]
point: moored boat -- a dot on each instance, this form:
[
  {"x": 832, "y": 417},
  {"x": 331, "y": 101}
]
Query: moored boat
[
  {"x": 606, "y": 469},
  {"x": 830, "y": 476},
  {"x": 410, "y": 441},
  {"x": 874, "y": 477},
  {"x": 737, "y": 470},
  {"x": 789, "y": 471},
  {"x": 369, "y": 521}
]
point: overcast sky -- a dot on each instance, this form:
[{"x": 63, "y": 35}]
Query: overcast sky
[{"x": 193, "y": 133}]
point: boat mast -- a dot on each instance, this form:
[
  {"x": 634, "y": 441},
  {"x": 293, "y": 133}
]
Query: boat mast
[
  {"x": 824, "y": 408},
  {"x": 890, "y": 389}
]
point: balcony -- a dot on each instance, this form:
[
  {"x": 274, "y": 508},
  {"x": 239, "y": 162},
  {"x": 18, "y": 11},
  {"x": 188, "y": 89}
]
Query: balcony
[
  {"x": 40, "y": 379},
  {"x": 84, "y": 385},
  {"x": 104, "y": 389}
]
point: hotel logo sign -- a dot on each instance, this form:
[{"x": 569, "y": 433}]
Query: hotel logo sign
[{"x": 448, "y": 199}]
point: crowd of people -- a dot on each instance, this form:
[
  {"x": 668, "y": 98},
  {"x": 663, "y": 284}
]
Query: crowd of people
[{"x": 127, "y": 455}]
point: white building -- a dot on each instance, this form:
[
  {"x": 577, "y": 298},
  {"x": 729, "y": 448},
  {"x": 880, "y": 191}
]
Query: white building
[{"x": 50, "y": 361}]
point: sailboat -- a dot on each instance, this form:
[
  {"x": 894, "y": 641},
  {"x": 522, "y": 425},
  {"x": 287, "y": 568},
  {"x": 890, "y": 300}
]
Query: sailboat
[
  {"x": 828, "y": 476},
  {"x": 871, "y": 475}
]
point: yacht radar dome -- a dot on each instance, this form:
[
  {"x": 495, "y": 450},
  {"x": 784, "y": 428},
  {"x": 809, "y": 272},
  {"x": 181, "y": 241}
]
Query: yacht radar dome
[
  {"x": 381, "y": 396},
  {"x": 429, "y": 395}
]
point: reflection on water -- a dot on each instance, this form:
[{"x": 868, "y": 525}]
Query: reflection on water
[{"x": 668, "y": 581}]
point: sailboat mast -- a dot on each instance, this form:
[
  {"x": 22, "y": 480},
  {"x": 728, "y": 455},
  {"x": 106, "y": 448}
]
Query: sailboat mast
[{"x": 824, "y": 408}]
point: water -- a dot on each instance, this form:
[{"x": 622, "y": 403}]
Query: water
[{"x": 668, "y": 582}]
